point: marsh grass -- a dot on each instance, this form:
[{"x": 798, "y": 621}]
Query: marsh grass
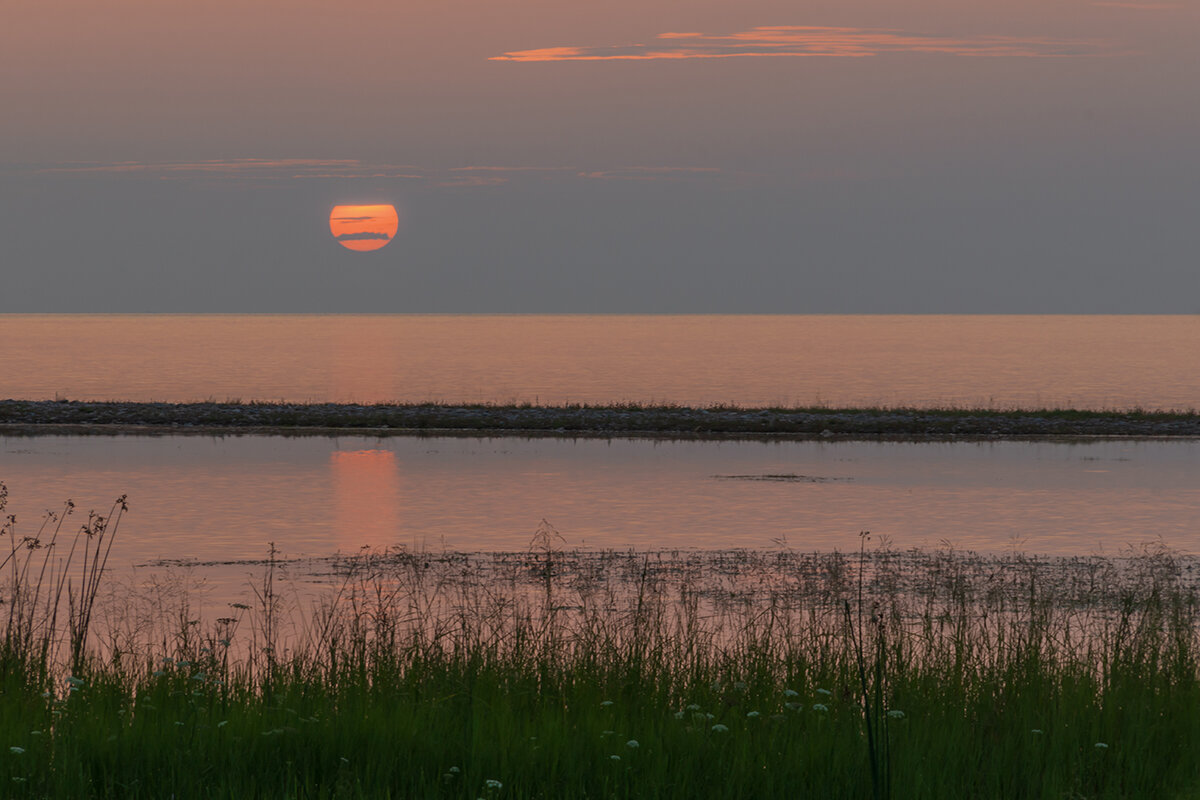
[{"x": 561, "y": 673}]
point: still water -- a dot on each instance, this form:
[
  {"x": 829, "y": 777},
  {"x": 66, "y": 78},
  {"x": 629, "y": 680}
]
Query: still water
[
  {"x": 219, "y": 499},
  {"x": 978, "y": 361}
]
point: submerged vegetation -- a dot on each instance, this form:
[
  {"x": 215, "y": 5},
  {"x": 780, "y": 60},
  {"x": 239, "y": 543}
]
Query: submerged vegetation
[
  {"x": 556, "y": 673},
  {"x": 17, "y": 416}
]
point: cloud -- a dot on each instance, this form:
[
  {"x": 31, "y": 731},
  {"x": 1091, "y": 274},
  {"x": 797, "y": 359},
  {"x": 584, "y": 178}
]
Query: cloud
[
  {"x": 255, "y": 168},
  {"x": 511, "y": 169},
  {"x": 814, "y": 41},
  {"x": 350, "y": 237},
  {"x": 271, "y": 170},
  {"x": 1137, "y": 6},
  {"x": 644, "y": 173}
]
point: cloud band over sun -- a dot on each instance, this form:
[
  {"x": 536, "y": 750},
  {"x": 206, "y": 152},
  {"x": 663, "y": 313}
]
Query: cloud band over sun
[{"x": 773, "y": 41}]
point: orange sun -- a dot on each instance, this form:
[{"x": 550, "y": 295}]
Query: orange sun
[{"x": 363, "y": 227}]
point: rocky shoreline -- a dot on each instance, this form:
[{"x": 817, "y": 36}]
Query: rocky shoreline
[{"x": 25, "y": 417}]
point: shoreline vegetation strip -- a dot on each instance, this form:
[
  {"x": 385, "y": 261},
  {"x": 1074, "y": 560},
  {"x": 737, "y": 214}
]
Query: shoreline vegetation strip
[
  {"x": 775, "y": 674},
  {"x": 37, "y": 416}
]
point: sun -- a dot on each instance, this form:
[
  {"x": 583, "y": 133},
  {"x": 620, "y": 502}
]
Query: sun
[{"x": 361, "y": 228}]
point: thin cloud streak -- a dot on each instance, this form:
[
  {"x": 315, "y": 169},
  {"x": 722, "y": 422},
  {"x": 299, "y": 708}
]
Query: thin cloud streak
[
  {"x": 272, "y": 170},
  {"x": 362, "y": 236},
  {"x": 1137, "y": 6},
  {"x": 645, "y": 173},
  {"x": 812, "y": 41},
  {"x": 260, "y": 168}
]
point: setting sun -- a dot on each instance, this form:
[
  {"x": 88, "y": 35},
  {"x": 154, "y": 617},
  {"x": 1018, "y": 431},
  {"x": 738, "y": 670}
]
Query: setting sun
[{"x": 361, "y": 228}]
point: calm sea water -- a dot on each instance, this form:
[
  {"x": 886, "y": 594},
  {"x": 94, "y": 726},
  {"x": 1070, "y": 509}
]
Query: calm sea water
[
  {"x": 989, "y": 361},
  {"x": 218, "y": 499}
]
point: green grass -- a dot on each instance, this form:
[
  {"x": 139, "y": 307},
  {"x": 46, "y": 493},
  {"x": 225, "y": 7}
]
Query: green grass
[{"x": 564, "y": 674}]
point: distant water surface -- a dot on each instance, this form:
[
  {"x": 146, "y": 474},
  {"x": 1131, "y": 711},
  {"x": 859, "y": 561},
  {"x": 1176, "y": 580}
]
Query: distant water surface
[
  {"x": 224, "y": 498},
  {"x": 979, "y": 361}
]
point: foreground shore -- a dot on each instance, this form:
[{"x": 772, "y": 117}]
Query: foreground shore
[
  {"x": 53, "y": 416},
  {"x": 583, "y": 675}
]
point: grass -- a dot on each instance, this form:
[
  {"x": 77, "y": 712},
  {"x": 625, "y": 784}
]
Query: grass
[{"x": 576, "y": 674}]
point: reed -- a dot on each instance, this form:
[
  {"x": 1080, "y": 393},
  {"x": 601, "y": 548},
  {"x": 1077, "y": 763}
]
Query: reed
[{"x": 561, "y": 673}]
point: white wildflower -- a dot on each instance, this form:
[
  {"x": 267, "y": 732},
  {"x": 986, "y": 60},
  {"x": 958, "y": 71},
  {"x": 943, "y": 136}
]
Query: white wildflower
[
  {"x": 632, "y": 744},
  {"x": 896, "y": 713},
  {"x": 752, "y": 714},
  {"x": 492, "y": 783},
  {"x": 1100, "y": 746},
  {"x": 819, "y": 707},
  {"x": 719, "y": 728},
  {"x": 825, "y": 692},
  {"x": 790, "y": 693},
  {"x": 606, "y": 703},
  {"x": 16, "y": 751}
]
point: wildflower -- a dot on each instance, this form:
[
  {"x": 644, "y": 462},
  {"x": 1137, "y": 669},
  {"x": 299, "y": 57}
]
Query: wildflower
[
  {"x": 606, "y": 703},
  {"x": 607, "y": 733},
  {"x": 158, "y": 673},
  {"x": 693, "y": 707},
  {"x": 794, "y": 706},
  {"x": 492, "y": 783},
  {"x": 751, "y": 714},
  {"x": 1100, "y": 746},
  {"x": 614, "y": 758},
  {"x": 679, "y": 715},
  {"x": 222, "y": 723},
  {"x": 1038, "y": 731},
  {"x": 896, "y": 713},
  {"x": 16, "y": 751},
  {"x": 790, "y": 693},
  {"x": 199, "y": 676},
  {"x": 35, "y": 733},
  {"x": 825, "y": 692},
  {"x": 71, "y": 679},
  {"x": 719, "y": 728},
  {"x": 452, "y": 770},
  {"x": 710, "y": 717},
  {"x": 819, "y": 707},
  {"x": 739, "y": 685},
  {"x": 632, "y": 744}
]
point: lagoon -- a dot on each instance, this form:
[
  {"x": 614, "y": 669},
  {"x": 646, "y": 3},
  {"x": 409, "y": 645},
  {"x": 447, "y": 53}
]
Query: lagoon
[{"x": 221, "y": 498}]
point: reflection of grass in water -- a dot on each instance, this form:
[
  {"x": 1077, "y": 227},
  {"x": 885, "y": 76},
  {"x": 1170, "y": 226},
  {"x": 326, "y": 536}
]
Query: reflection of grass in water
[{"x": 590, "y": 674}]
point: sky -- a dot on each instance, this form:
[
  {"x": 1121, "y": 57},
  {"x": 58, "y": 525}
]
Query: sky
[{"x": 657, "y": 156}]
